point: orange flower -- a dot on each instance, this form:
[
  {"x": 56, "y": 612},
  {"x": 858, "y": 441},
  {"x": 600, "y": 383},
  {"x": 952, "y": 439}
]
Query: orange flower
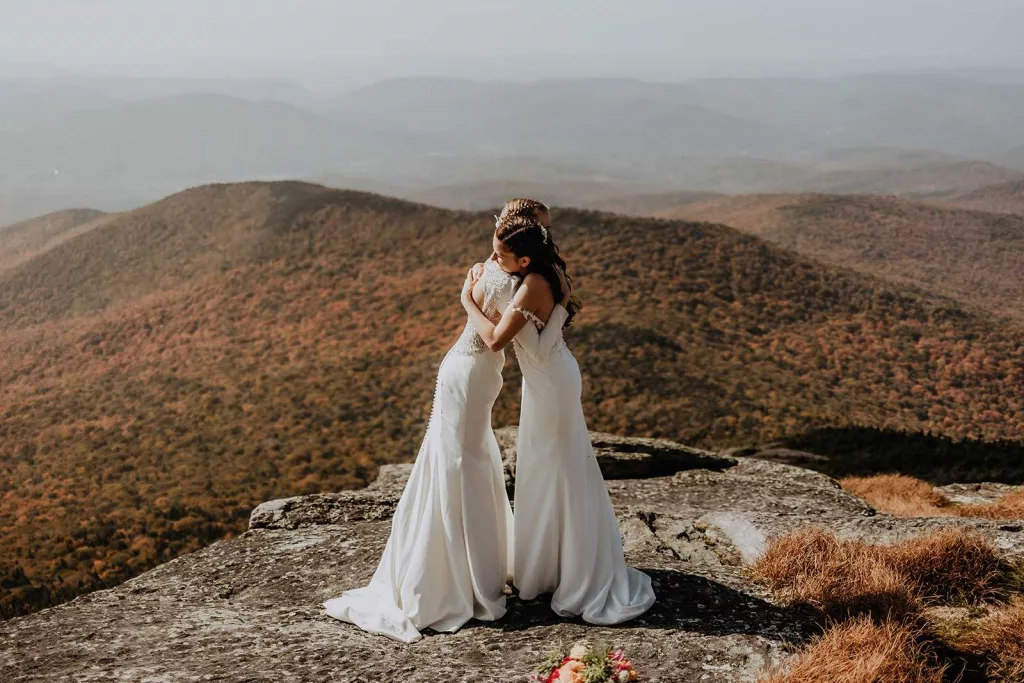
[{"x": 570, "y": 672}]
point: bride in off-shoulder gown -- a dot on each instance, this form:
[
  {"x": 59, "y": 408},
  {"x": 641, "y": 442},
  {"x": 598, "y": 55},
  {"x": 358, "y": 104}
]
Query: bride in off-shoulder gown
[{"x": 567, "y": 539}]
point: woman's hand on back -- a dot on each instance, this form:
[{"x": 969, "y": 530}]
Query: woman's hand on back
[{"x": 472, "y": 277}]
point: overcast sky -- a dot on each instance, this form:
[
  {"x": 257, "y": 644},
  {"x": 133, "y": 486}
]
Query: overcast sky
[{"x": 331, "y": 42}]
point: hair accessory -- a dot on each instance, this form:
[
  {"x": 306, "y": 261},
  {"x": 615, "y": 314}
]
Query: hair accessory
[{"x": 544, "y": 231}]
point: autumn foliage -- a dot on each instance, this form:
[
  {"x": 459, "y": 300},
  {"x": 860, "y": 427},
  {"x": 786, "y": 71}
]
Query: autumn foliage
[
  {"x": 972, "y": 256},
  {"x": 168, "y": 369}
]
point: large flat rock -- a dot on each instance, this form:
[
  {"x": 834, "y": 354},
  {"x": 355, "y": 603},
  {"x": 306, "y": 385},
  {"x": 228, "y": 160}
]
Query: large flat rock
[{"x": 248, "y": 609}]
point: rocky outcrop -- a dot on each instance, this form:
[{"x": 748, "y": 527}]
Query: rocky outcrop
[
  {"x": 977, "y": 494},
  {"x": 248, "y": 608},
  {"x": 623, "y": 457}
]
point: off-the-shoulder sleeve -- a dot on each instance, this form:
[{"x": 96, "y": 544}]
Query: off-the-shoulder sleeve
[
  {"x": 553, "y": 329},
  {"x": 537, "y": 343}
]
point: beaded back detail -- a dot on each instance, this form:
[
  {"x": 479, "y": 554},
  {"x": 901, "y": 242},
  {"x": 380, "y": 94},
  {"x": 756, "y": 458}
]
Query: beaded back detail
[{"x": 497, "y": 293}]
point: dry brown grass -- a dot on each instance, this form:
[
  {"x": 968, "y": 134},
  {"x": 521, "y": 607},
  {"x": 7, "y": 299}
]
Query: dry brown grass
[
  {"x": 843, "y": 579},
  {"x": 905, "y": 496},
  {"x": 838, "y": 578},
  {"x": 875, "y": 597},
  {"x": 899, "y": 495},
  {"x": 862, "y": 651},
  {"x": 1010, "y": 506},
  {"x": 952, "y": 565},
  {"x": 999, "y": 639}
]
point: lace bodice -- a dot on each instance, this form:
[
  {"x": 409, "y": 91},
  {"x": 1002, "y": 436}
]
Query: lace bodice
[{"x": 498, "y": 286}]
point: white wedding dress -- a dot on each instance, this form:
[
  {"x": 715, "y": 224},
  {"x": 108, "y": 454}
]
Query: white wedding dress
[
  {"x": 567, "y": 539},
  {"x": 450, "y": 551}
]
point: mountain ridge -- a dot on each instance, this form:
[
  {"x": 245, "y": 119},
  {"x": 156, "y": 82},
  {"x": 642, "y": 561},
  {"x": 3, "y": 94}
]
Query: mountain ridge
[
  {"x": 969, "y": 255},
  {"x": 145, "y": 413},
  {"x": 21, "y": 241}
]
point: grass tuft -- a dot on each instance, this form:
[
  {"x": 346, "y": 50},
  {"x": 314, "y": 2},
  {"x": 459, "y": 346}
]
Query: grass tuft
[
  {"x": 838, "y": 578},
  {"x": 899, "y": 495},
  {"x": 862, "y": 651},
  {"x": 999, "y": 639},
  {"x": 905, "y": 496}
]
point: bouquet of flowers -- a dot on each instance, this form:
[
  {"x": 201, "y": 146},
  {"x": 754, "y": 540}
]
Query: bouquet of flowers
[{"x": 586, "y": 665}]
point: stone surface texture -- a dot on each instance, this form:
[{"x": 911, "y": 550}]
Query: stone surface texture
[{"x": 248, "y": 608}]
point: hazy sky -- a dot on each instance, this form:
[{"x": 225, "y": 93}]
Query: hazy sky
[{"x": 329, "y": 42}]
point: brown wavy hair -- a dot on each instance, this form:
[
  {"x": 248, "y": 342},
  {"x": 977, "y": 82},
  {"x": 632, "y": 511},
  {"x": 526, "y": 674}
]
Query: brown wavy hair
[{"x": 524, "y": 236}]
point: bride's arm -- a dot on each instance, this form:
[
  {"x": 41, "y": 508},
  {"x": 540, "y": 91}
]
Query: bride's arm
[{"x": 497, "y": 336}]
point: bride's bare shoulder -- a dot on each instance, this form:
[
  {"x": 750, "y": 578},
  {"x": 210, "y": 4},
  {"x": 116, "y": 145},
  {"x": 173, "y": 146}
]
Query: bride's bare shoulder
[
  {"x": 536, "y": 282},
  {"x": 534, "y": 293}
]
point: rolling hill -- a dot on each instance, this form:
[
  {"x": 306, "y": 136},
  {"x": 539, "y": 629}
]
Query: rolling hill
[
  {"x": 960, "y": 176},
  {"x": 486, "y": 185},
  {"x": 1000, "y": 198},
  {"x": 945, "y": 112},
  {"x": 174, "y": 365},
  {"x": 617, "y": 197},
  {"x": 23, "y": 240},
  {"x": 190, "y": 139},
  {"x": 972, "y": 256},
  {"x": 597, "y": 120}
]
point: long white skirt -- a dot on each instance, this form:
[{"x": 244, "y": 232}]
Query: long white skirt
[
  {"x": 449, "y": 554},
  {"x": 567, "y": 539}
]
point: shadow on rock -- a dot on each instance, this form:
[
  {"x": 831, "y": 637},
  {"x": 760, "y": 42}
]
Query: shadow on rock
[
  {"x": 864, "y": 451},
  {"x": 686, "y": 602}
]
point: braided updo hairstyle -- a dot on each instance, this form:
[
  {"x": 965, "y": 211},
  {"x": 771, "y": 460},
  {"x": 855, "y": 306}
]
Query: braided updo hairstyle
[
  {"x": 523, "y": 206},
  {"x": 524, "y": 236}
]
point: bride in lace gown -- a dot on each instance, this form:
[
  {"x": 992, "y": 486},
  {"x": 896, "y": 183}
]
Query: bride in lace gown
[
  {"x": 567, "y": 539},
  {"x": 450, "y": 551}
]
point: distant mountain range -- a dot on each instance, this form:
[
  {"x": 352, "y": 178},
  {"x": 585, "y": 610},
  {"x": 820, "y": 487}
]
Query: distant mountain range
[
  {"x": 21, "y": 241},
  {"x": 616, "y": 121},
  {"x": 65, "y": 140},
  {"x": 1001, "y": 198}
]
